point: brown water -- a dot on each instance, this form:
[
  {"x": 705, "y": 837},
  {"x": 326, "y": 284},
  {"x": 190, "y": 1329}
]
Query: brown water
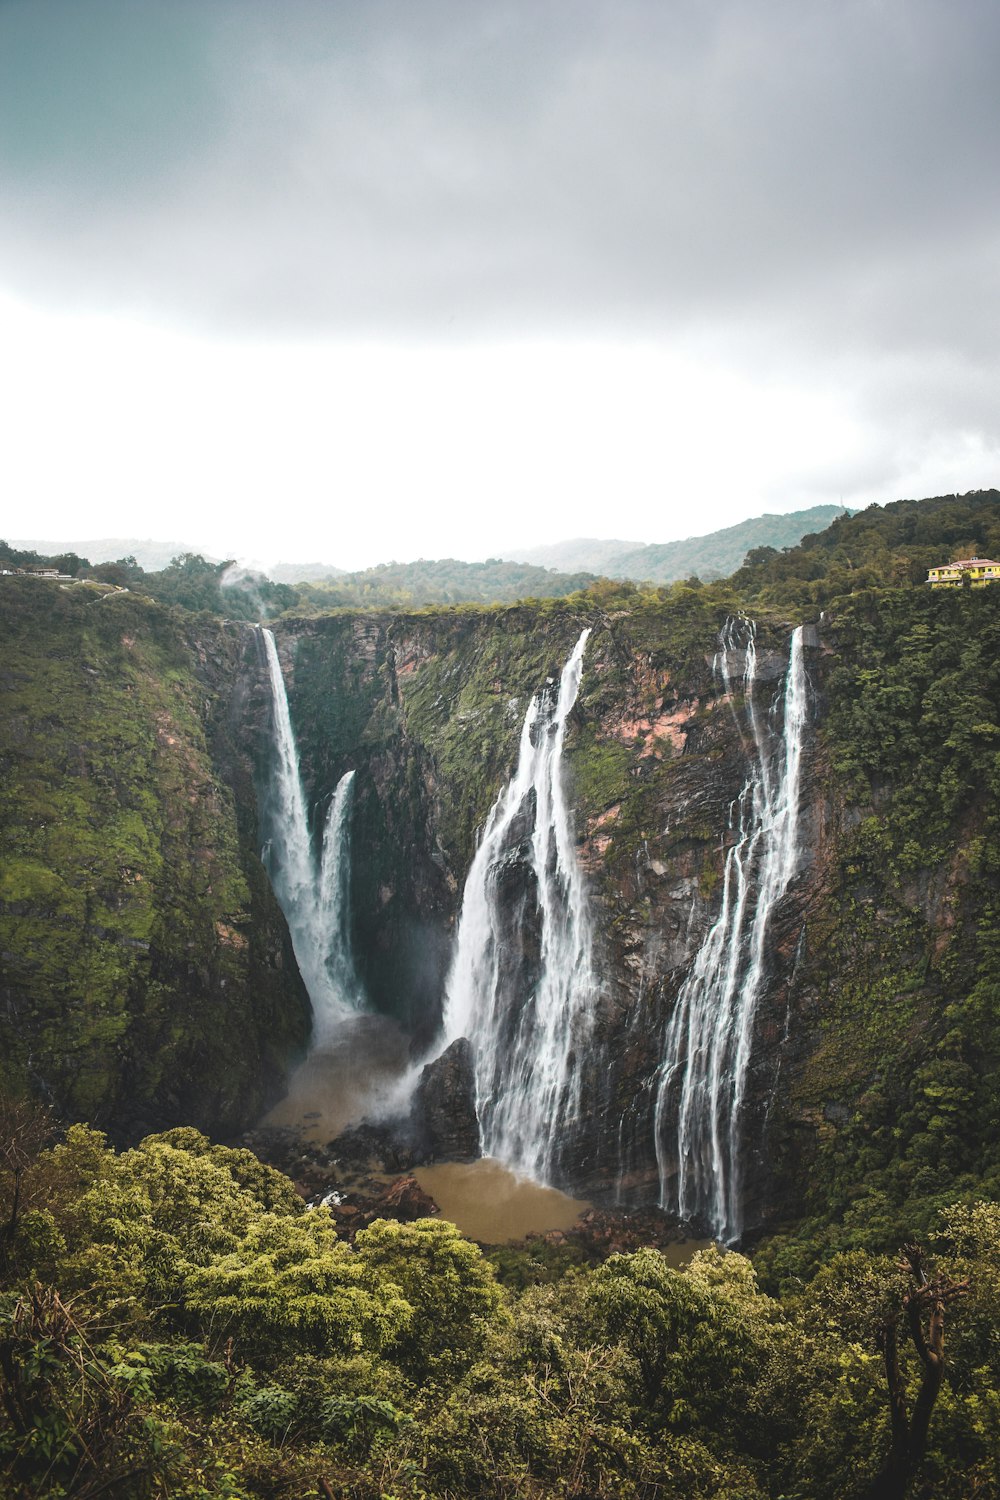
[
  {"x": 680, "y": 1252},
  {"x": 490, "y": 1203},
  {"x": 356, "y": 1074}
]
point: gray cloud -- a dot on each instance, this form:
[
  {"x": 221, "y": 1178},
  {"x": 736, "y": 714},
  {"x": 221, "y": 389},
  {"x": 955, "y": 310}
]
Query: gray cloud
[{"x": 816, "y": 181}]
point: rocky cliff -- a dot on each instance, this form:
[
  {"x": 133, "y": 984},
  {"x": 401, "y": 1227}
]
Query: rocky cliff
[
  {"x": 871, "y": 953},
  {"x": 147, "y": 972},
  {"x": 428, "y": 709},
  {"x": 147, "y": 975}
]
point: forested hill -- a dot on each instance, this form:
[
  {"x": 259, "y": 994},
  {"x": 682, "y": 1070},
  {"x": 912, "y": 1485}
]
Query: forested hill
[
  {"x": 189, "y": 581},
  {"x": 713, "y": 555},
  {"x": 442, "y": 581},
  {"x": 884, "y": 546},
  {"x": 225, "y": 588}
]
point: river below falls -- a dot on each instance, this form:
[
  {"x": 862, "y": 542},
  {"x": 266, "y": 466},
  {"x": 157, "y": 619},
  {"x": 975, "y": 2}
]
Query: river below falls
[{"x": 361, "y": 1072}]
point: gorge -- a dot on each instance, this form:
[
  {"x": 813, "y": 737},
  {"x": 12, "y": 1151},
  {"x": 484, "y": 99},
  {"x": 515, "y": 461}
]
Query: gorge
[
  {"x": 683, "y": 900},
  {"x": 521, "y": 986},
  {"x": 712, "y": 905}
]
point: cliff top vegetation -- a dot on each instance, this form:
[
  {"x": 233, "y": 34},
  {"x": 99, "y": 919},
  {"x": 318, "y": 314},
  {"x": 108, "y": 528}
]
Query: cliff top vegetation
[{"x": 883, "y": 546}]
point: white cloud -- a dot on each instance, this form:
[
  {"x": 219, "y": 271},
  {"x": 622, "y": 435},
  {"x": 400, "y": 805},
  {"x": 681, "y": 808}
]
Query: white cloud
[
  {"x": 348, "y": 281},
  {"x": 355, "y": 453}
]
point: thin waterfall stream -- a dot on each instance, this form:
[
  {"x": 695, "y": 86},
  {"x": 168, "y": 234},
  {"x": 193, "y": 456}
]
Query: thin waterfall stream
[
  {"x": 528, "y": 1045},
  {"x": 709, "y": 1039},
  {"x": 312, "y": 888}
]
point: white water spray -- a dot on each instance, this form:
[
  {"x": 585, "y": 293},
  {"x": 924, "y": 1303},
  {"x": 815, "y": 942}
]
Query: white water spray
[
  {"x": 702, "y": 1080},
  {"x": 528, "y": 1046},
  {"x": 312, "y": 892}
]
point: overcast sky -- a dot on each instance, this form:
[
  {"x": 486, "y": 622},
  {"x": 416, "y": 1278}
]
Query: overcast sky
[{"x": 352, "y": 280}]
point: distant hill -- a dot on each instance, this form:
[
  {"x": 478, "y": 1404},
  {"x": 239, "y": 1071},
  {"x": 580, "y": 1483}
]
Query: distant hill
[
  {"x": 304, "y": 572},
  {"x": 715, "y": 555},
  {"x": 150, "y": 555},
  {"x": 584, "y": 554},
  {"x": 441, "y": 581}
]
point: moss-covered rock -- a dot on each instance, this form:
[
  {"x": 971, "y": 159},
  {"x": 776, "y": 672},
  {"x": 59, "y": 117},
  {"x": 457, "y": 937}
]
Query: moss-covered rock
[{"x": 147, "y": 976}]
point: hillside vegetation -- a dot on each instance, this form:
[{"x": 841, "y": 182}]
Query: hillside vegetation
[
  {"x": 175, "y": 1322},
  {"x": 146, "y": 968},
  {"x": 446, "y": 581},
  {"x": 707, "y": 557}
]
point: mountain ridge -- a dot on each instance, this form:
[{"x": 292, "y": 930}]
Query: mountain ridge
[{"x": 711, "y": 555}]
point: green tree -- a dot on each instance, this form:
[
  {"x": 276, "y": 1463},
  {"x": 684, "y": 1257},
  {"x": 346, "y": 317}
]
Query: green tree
[{"x": 449, "y": 1284}]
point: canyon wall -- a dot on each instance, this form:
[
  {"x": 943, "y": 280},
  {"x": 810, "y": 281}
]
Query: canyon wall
[{"x": 148, "y": 976}]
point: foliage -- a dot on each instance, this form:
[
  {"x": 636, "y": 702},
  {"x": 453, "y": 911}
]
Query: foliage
[
  {"x": 445, "y": 581},
  {"x": 189, "y": 1328},
  {"x": 720, "y": 552},
  {"x": 225, "y": 589},
  {"x": 133, "y": 917},
  {"x": 446, "y": 1281},
  {"x": 881, "y": 547},
  {"x": 905, "y": 953}
]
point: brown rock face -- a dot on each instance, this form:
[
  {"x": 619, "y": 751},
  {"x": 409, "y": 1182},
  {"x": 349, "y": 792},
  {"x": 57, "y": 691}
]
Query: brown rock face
[
  {"x": 444, "y": 1108},
  {"x": 405, "y": 1200}
]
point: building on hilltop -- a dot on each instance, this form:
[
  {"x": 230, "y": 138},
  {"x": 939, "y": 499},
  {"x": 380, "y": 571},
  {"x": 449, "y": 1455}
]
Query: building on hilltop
[{"x": 978, "y": 570}]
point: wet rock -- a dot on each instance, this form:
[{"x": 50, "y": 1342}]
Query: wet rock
[
  {"x": 383, "y": 1148},
  {"x": 444, "y": 1108},
  {"x": 405, "y": 1200}
]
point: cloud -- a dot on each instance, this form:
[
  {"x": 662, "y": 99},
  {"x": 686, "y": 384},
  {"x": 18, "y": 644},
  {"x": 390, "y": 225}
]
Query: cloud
[
  {"x": 454, "y": 170},
  {"x": 553, "y": 253}
]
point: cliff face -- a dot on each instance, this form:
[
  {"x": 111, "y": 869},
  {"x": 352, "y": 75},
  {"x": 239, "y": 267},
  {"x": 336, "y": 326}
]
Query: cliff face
[
  {"x": 871, "y": 953},
  {"x": 429, "y": 708},
  {"x": 147, "y": 973},
  {"x": 147, "y": 976}
]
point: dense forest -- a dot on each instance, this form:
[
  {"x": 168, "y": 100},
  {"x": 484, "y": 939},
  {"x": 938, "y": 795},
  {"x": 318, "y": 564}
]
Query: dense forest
[
  {"x": 175, "y": 1321},
  {"x": 241, "y": 594}
]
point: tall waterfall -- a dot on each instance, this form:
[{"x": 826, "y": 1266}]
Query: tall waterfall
[
  {"x": 312, "y": 890},
  {"x": 527, "y": 1036},
  {"x": 702, "y": 1080}
]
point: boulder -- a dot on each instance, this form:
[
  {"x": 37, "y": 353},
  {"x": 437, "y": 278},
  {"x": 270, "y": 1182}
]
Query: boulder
[
  {"x": 444, "y": 1106},
  {"x": 404, "y": 1200}
]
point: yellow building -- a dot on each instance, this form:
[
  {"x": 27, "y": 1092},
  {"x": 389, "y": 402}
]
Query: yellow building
[{"x": 979, "y": 570}]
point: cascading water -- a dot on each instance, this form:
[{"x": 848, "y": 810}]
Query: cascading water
[
  {"x": 702, "y": 1080},
  {"x": 527, "y": 1045},
  {"x": 312, "y": 892}
]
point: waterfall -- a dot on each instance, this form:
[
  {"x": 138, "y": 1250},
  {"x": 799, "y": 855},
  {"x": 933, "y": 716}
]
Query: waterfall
[
  {"x": 702, "y": 1080},
  {"x": 312, "y": 892},
  {"x": 527, "y": 1036}
]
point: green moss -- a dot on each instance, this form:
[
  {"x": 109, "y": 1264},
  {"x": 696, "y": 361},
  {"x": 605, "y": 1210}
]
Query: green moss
[
  {"x": 123, "y": 871},
  {"x": 599, "y": 770}
]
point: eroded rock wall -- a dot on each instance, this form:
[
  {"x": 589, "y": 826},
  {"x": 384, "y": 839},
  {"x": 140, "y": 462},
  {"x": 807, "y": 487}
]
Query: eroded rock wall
[{"x": 428, "y": 709}]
